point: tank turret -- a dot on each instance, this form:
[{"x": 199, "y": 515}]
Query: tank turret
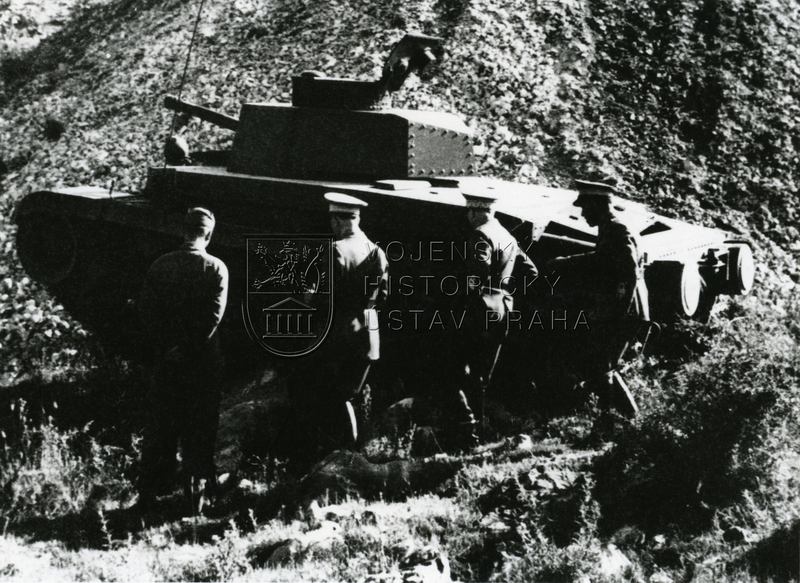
[{"x": 335, "y": 129}]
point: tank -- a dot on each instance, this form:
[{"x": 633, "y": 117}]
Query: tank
[{"x": 91, "y": 247}]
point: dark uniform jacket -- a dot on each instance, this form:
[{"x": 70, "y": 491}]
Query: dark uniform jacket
[
  {"x": 183, "y": 299},
  {"x": 495, "y": 257},
  {"x": 361, "y": 283},
  {"x": 613, "y": 271}
]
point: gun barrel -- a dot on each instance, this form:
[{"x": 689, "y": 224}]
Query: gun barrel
[{"x": 209, "y": 115}]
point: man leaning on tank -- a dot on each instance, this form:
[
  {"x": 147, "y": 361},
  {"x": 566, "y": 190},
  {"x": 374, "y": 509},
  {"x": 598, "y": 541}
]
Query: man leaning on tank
[{"x": 610, "y": 287}]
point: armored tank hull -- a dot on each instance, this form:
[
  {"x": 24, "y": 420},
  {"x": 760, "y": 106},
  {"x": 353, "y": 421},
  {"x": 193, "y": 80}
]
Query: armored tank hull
[{"x": 92, "y": 247}]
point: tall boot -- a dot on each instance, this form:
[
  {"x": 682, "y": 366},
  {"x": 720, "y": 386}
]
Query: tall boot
[
  {"x": 466, "y": 432},
  {"x": 621, "y": 397}
]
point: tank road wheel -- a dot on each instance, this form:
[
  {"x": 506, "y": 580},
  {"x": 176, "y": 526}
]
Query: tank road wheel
[
  {"x": 741, "y": 270},
  {"x": 675, "y": 290},
  {"x": 691, "y": 286},
  {"x": 47, "y": 247}
]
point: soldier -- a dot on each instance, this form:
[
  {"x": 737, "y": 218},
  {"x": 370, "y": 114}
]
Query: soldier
[
  {"x": 181, "y": 305},
  {"x": 615, "y": 291},
  {"x": 496, "y": 267},
  {"x": 360, "y": 287}
]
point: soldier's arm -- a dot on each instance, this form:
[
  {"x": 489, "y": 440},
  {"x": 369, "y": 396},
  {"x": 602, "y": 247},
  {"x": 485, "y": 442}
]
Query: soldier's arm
[
  {"x": 578, "y": 261},
  {"x": 381, "y": 275},
  {"x": 156, "y": 308},
  {"x": 620, "y": 252},
  {"x": 525, "y": 265},
  {"x": 217, "y": 300},
  {"x": 479, "y": 260},
  {"x": 221, "y": 295}
]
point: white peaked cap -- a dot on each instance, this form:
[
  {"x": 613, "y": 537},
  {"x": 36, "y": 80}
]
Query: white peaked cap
[
  {"x": 479, "y": 197},
  {"x": 343, "y": 203}
]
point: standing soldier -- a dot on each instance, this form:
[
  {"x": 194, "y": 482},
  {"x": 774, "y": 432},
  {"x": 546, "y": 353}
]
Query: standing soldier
[
  {"x": 181, "y": 305},
  {"x": 496, "y": 267},
  {"x": 615, "y": 289},
  {"x": 360, "y": 286}
]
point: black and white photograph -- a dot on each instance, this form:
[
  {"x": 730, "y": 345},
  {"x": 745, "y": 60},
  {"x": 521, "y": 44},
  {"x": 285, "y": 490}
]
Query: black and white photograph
[{"x": 411, "y": 291}]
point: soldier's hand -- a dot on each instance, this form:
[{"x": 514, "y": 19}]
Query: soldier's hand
[{"x": 308, "y": 294}]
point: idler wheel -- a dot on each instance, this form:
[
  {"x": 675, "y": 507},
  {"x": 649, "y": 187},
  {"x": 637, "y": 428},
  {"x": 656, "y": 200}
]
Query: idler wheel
[
  {"x": 47, "y": 246},
  {"x": 741, "y": 270}
]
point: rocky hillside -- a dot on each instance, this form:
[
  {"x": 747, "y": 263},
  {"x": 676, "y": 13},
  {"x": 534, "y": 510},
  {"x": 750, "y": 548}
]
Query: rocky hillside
[{"x": 692, "y": 105}]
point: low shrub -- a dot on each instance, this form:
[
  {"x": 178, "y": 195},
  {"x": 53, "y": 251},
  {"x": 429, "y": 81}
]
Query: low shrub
[
  {"x": 544, "y": 561},
  {"x": 714, "y": 430},
  {"x": 46, "y": 472}
]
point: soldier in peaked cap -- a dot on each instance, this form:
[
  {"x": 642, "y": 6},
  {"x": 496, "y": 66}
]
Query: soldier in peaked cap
[
  {"x": 181, "y": 305},
  {"x": 495, "y": 263},
  {"x": 613, "y": 270},
  {"x": 360, "y": 286}
]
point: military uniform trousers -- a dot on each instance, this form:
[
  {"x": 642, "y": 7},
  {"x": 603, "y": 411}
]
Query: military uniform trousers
[
  {"x": 320, "y": 387},
  {"x": 485, "y": 330},
  {"x": 603, "y": 345},
  {"x": 477, "y": 349},
  {"x": 183, "y": 406}
]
